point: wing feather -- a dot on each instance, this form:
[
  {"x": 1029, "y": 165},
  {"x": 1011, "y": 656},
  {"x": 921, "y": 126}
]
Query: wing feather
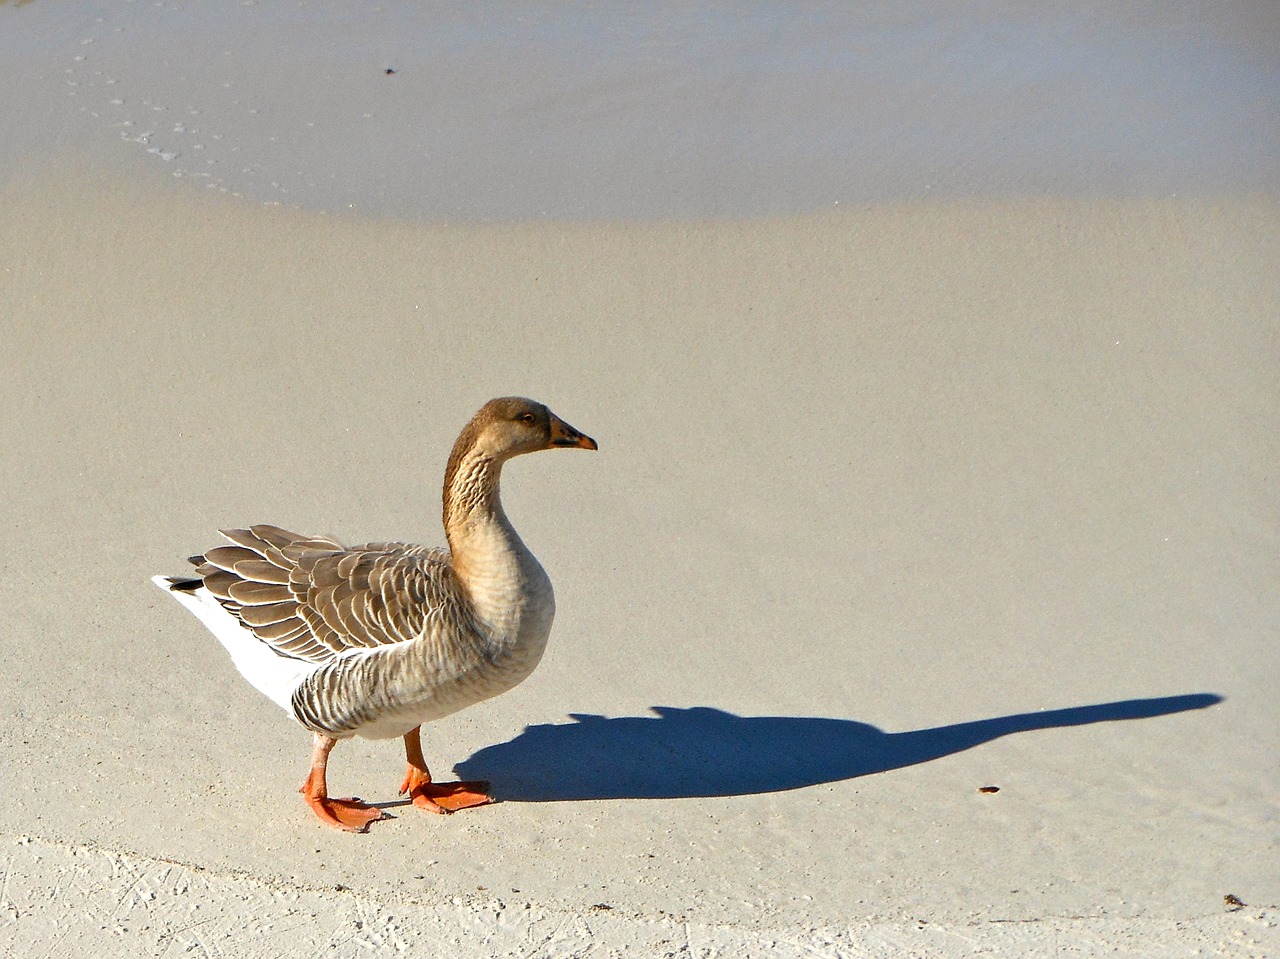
[
  {"x": 267, "y": 614},
  {"x": 310, "y": 598},
  {"x": 219, "y": 582},
  {"x": 252, "y": 593},
  {"x": 226, "y": 557},
  {"x": 274, "y": 535},
  {"x": 262, "y": 571}
]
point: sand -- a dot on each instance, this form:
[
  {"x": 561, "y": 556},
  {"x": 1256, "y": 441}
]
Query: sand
[{"x": 893, "y": 503}]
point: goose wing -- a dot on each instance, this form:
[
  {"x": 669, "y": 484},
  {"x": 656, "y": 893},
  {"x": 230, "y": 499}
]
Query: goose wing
[{"x": 310, "y": 598}]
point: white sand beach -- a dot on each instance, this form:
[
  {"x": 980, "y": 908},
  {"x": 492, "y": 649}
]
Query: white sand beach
[{"x": 896, "y": 498}]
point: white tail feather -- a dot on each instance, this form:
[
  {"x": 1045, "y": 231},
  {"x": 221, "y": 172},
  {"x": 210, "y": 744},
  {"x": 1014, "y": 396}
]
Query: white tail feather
[{"x": 271, "y": 674}]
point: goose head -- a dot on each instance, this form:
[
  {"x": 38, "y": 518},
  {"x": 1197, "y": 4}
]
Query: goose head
[
  {"x": 512, "y": 425},
  {"x": 506, "y": 427}
]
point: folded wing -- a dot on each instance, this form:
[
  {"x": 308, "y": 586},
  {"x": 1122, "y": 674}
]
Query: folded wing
[{"x": 310, "y": 598}]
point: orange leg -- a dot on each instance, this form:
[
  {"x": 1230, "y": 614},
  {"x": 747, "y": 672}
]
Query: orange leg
[
  {"x": 436, "y": 797},
  {"x": 351, "y": 815}
]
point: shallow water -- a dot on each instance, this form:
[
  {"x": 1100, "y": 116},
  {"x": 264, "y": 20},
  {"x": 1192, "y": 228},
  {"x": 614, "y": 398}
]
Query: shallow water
[{"x": 501, "y": 111}]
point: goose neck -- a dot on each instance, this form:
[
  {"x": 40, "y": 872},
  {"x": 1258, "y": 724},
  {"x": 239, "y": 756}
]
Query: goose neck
[{"x": 481, "y": 539}]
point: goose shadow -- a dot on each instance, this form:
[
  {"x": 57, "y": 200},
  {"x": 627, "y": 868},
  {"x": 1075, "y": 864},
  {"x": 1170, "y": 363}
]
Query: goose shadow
[{"x": 702, "y": 752}]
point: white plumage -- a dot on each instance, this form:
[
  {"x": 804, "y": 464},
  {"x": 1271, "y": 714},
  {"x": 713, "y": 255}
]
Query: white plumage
[{"x": 276, "y": 677}]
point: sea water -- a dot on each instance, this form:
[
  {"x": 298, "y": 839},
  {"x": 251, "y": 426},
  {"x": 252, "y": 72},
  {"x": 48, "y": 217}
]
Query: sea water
[{"x": 516, "y": 110}]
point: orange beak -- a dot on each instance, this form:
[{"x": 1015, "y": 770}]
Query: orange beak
[{"x": 564, "y": 435}]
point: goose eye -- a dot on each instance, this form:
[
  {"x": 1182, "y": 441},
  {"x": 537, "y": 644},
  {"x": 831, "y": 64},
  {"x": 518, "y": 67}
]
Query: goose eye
[{"x": 528, "y": 418}]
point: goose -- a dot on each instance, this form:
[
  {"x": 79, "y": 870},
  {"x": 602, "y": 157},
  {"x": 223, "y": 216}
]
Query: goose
[{"x": 376, "y": 640}]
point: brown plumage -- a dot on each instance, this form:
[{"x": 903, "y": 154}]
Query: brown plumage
[
  {"x": 311, "y": 598},
  {"x": 374, "y": 640}
]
